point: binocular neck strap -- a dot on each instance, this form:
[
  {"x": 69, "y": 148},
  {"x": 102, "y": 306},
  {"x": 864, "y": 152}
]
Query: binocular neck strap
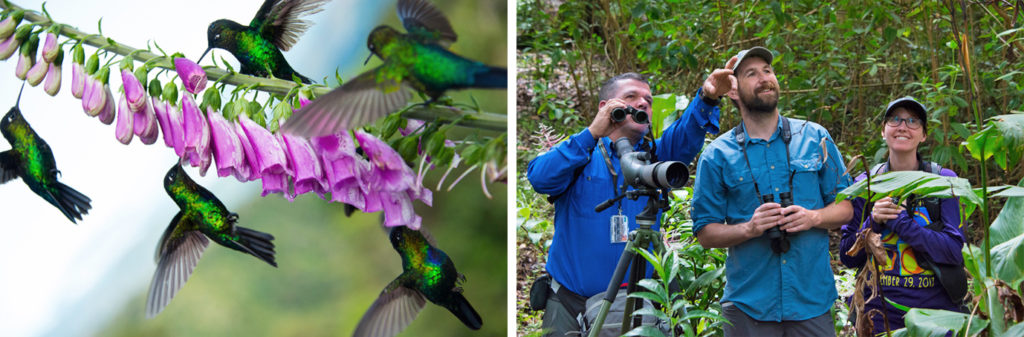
[
  {"x": 786, "y": 134},
  {"x": 611, "y": 170}
]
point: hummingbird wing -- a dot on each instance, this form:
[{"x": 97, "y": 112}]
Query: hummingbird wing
[
  {"x": 395, "y": 308},
  {"x": 425, "y": 22},
  {"x": 280, "y": 21},
  {"x": 366, "y": 98},
  {"x": 179, "y": 251},
  {"x": 8, "y": 166}
]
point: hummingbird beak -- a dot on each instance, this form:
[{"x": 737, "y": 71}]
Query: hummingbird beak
[
  {"x": 368, "y": 57},
  {"x": 204, "y": 55},
  {"x": 18, "y": 102}
]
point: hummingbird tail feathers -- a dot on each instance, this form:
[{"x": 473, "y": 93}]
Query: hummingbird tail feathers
[
  {"x": 257, "y": 243},
  {"x": 492, "y": 77},
  {"x": 72, "y": 203},
  {"x": 461, "y": 308}
]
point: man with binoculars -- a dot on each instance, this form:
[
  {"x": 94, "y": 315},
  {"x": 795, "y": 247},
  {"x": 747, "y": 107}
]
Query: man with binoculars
[
  {"x": 766, "y": 191},
  {"x": 584, "y": 171}
]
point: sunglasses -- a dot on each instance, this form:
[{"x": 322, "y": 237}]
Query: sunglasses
[{"x": 911, "y": 122}]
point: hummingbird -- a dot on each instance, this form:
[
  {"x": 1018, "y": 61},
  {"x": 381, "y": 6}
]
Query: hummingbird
[
  {"x": 418, "y": 60},
  {"x": 258, "y": 46},
  {"x": 31, "y": 159},
  {"x": 202, "y": 218},
  {"x": 427, "y": 274}
]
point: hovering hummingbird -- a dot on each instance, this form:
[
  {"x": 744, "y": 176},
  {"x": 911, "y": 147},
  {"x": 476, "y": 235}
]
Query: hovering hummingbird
[
  {"x": 201, "y": 216},
  {"x": 417, "y": 60},
  {"x": 31, "y": 159},
  {"x": 258, "y": 46},
  {"x": 427, "y": 274}
]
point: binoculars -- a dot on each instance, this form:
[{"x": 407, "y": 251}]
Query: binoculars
[
  {"x": 639, "y": 116},
  {"x": 780, "y": 240}
]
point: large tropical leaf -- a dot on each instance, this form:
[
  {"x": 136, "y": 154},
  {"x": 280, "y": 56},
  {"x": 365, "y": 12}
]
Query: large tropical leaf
[
  {"x": 935, "y": 323},
  {"x": 1002, "y": 138},
  {"x": 904, "y": 183}
]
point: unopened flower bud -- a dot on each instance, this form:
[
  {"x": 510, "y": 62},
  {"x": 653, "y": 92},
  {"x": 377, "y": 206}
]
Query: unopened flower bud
[{"x": 8, "y": 25}]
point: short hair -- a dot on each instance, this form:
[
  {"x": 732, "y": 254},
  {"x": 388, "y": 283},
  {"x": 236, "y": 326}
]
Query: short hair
[{"x": 608, "y": 87}]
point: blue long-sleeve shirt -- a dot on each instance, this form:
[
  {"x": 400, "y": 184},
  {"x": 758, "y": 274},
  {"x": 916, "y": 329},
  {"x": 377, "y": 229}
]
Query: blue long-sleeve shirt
[
  {"x": 905, "y": 283},
  {"x": 582, "y": 257}
]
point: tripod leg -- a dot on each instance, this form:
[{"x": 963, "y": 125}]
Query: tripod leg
[
  {"x": 613, "y": 288},
  {"x": 638, "y": 272}
]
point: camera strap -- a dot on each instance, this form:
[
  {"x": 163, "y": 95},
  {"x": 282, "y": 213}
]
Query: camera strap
[{"x": 611, "y": 170}]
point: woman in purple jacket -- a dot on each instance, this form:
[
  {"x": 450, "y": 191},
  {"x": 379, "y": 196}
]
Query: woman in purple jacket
[{"x": 924, "y": 265}]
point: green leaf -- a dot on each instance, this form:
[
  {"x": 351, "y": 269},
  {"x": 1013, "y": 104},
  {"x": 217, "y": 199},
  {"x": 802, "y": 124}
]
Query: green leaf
[
  {"x": 935, "y": 323},
  {"x": 649, "y": 296},
  {"x": 705, "y": 280},
  {"x": 645, "y": 330},
  {"x": 904, "y": 183},
  {"x": 663, "y": 107},
  {"x": 649, "y": 311},
  {"x": 702, "y": 314}
]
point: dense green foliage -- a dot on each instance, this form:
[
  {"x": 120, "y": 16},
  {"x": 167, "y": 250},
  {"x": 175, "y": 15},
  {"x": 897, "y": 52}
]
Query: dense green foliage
[{"x": 838, "y": 64}]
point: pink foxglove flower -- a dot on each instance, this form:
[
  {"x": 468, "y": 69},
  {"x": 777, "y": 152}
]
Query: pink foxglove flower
[
  {"x": 342, "y": 168},
  {"x": 50, "y": 48},
  {"x": 133, "y": 91},
  {"x": 145, "y": 124},
  {"x": 78, "y": 81},
  {"x": 227, "y": 148},
  {"x": 93, "y": 97},
  {"x": 52, "y": 83},
  {"x": 106, "y": 115},
  {"x": 8, "y": 25},
  {"x": 7, "y": 47},
  {"x": 36, "y": 74},
  {"x": 123, "y": 129},
  {"x": 191, "y": 74},
  {"x": 196, "y": 135},
  {"x": 27, "y": 57},
  {"x": 272, "y": 164},
  {"x": 170, "y": 123},
  {"x": 391, "y": 172},
  {"x": 309, "y": 175}
]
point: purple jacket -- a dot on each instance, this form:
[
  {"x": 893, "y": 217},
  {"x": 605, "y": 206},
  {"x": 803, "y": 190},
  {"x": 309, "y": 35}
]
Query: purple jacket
[{"x": 905, "y": 284}]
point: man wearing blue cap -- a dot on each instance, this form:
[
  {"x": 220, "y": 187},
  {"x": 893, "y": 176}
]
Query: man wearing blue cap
[{"x": 766, "y": 191}]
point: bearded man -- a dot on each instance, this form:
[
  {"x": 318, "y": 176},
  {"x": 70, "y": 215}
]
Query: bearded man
[{"x": 766, "y": 190}]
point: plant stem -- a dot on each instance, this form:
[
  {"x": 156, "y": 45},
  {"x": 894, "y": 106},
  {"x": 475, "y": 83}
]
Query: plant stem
[{"x": 480, "y": 120}]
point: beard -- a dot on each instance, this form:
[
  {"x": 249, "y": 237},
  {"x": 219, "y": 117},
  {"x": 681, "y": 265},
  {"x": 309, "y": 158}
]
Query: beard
[{"x": 756, "y": 104}]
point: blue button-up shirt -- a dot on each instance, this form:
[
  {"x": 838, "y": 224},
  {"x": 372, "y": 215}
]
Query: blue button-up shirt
[
  {"x": 795, "y": 285},
  {"x": 581, "y": 257}
]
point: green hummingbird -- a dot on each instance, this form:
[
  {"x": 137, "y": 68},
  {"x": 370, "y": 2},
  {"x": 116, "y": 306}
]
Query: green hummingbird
[
  {"x": 31, "y": 159},
  {"x": 427, "y": 274},
  {"x": 258, "y": 46},
  {"x": 417, "y": 60},
  {"x": 201, "y": 216}
]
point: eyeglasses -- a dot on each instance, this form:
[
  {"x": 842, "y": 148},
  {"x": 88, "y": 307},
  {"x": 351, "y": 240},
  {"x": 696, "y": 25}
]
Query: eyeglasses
[{"x": 912, "y": 122}]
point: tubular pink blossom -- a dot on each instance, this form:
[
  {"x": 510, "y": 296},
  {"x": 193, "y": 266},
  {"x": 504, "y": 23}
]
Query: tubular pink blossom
[
  {"x": 93, "y": 98},
  {"x": 227, "y": 148},
  {"x": 50, "y": 48},
  {"x": 250, "y": 155},
  {"x": 390, "y": 171},
  {"x": 196, "y": 135},
  {"x": 191, "y": 74},
  {"x": 146, "y": 126},
  {"x": 160, "y": 109},
  {"x": 7, "y": 47},
  {"x": 270, "y": 156},
  {"x": 309, "y": 174},
  {"x": 398, "y": 210},
  {"x": 133, "y": 91},
  {"x": 77, "y": 79},
  {"x": 25, "y": 62},
  {"x": 343, "y": 168},
  {"x": 36, "y": 74},
  {"x": 123, "y": 129},
  {"x": 106, "y": 115},
  {"x": 52, "y": 84}
]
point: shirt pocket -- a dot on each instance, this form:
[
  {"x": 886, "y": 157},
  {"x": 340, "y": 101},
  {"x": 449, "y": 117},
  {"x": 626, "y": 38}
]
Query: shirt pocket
[
  {"x": 739, "y": 187},
  {"x": 806, "y": 185}
]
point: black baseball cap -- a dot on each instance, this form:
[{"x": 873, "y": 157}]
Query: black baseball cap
[{"x": 911, "y": 105}]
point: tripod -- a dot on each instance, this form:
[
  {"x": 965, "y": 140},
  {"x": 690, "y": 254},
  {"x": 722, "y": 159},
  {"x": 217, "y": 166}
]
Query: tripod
[{"x": 643, "y": 236}]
